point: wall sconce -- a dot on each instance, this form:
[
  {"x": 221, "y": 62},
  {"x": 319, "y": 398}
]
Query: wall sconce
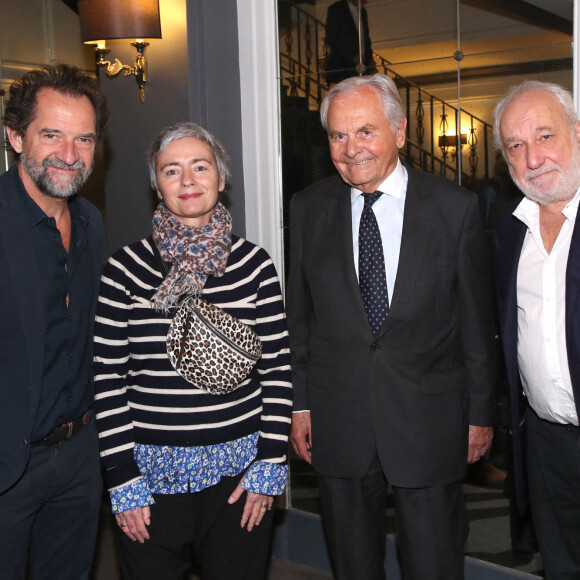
[
  {"x": 447, "y": 142},
  {"x": 103, "y": 20}
]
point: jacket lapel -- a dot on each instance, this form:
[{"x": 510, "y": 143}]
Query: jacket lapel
[
  {"x": 414, "y": 242},
  {"x": 572, "y": 325},
  {"x": 23, "y": 275},
  {"x": 573, "y": 275},
  {"x": 341, "y": 217},
  {"x": 508, "y": 258}
]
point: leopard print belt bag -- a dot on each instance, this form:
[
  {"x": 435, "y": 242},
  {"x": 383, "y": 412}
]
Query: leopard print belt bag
[{"x": 210, "y": 348}]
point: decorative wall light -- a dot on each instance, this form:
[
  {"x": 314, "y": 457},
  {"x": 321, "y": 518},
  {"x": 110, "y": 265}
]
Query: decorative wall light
[
  {"x": 103, "y": 20},
  {"x": 447, "y": 142}
]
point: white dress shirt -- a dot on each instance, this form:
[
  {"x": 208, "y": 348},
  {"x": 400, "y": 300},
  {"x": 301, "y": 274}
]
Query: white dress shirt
[
  {"x": 541, "y": 296},
  {"x": 388, "y": 209}
]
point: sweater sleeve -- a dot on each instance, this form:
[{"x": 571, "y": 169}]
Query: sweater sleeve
[
  {"x": 274, "y": 368},
  {"x": 111, "y": 361}
]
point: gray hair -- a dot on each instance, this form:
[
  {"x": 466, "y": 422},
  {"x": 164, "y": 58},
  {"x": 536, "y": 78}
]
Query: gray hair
[
  {"x": 392, "y": 105},
  {"x": 564, "y": 98},
  {"x": 182, "y": 131}
]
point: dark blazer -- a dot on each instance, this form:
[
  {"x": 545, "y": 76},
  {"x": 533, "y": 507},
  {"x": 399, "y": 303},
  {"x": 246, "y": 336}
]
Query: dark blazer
[
  {"x": 22, "y": 327},
  {"x": 509, "y": 238},
  {"x": 342, "y": 41},
  {"x": 412, "y": 390}
]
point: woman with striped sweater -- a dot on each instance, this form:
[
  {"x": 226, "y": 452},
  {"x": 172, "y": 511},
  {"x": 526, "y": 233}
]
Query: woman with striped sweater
[{"x": 190, "y": 474}]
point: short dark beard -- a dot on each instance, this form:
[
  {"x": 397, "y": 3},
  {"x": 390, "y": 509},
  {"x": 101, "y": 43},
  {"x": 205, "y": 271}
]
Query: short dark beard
[{"x": 40, "y": 178}]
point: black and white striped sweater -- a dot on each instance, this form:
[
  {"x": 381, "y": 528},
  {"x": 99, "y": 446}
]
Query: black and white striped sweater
[{"x": 139, "y": 398}]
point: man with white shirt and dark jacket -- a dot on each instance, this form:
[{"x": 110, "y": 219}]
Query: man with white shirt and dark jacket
[{"x": 537, "y": 247}]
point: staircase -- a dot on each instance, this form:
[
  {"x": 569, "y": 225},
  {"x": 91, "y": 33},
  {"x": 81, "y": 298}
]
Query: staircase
[{"x": 431, "y": 139}]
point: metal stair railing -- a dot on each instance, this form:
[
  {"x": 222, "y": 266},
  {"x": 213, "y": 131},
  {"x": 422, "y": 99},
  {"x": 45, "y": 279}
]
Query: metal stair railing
[{"x": 301, "y": 63}]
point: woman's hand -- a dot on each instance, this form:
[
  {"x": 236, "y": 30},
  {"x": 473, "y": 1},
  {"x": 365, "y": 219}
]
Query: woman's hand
[
  {"x": 134, "y": 523},
  {"x": 256, "y": 506}
]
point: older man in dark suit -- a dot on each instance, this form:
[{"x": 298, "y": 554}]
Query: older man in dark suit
[
  {"x": 538, "y": 278},
  {"x": 390, "y": 311}
]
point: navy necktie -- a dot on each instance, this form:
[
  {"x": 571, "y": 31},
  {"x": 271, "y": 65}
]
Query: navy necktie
[{"x": 371, "y": 266}]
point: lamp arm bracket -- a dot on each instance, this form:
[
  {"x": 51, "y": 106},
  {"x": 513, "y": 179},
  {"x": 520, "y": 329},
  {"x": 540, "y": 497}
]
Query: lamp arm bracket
[
  {"x": 113, "y": 69},
  {"x": 139, "y": 70}
]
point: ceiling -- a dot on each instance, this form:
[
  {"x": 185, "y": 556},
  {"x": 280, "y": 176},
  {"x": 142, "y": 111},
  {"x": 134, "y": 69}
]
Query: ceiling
[
  {"x": 548, "y": 14},
  {"x": 498, "y": 38}
]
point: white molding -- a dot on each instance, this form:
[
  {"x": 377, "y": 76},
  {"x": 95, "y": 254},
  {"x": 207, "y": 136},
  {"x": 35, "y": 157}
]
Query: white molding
[{"x": 259, "y": 80}]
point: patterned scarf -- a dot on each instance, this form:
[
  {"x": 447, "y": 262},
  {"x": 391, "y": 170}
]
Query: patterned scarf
[{"x": 194, "y": 252}]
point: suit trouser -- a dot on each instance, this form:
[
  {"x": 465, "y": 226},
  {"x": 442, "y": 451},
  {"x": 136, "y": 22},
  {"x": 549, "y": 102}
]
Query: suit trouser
[
  {"x": 51, "y": 514},
  {"x": 554, "y": 481},
  {"x": 431, "y": 527},
  {"x": 198, "y": 526}
]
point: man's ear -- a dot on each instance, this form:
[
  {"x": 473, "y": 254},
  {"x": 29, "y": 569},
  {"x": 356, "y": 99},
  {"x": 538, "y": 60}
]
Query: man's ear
[
  {"x": 15, "y": 139},
  {"x": 400, "y": 133}
]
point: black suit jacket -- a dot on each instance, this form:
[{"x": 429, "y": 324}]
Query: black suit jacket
[
  {"x": 22, "y": 326},
  {"x": 509, "y": 239},
  {"x": 412, "y": 390}
]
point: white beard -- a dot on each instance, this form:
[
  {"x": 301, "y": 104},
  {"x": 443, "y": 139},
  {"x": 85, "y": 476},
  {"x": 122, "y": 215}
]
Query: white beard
[{"x": 563, "y": 189}]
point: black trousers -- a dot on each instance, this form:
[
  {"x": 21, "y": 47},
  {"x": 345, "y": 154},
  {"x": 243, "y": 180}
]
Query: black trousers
[
  {"x": 554, "y": 482},
  {"x": 198, "y": 526},
  {"x": 431, "y": 527},
  {"x": 51, "y": 514}
]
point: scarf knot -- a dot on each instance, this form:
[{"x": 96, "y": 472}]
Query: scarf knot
[{"x": 194, "y": 253}]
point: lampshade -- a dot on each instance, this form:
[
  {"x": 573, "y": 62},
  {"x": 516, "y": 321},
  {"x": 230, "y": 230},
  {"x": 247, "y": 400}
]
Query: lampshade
[{"x": 111, "y": 19}]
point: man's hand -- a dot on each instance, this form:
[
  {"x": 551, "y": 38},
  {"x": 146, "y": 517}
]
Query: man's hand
[
  {"x": 301, "y": 435},
  {"x": 134, "y": 523},
  {"x": 480, "y": 439}
]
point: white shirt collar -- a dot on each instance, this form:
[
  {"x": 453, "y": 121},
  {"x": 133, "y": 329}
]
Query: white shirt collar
[
  {"x": 392, "y": 185},
  {"x": 527, "y": 210}
]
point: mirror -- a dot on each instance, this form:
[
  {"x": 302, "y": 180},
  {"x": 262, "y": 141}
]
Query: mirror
[{"x": 452, "y": 61}]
